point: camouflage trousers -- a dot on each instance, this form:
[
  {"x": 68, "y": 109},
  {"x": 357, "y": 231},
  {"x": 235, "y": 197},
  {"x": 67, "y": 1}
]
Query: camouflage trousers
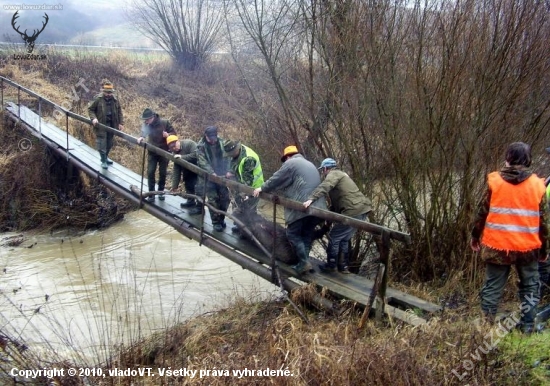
[{"x": 217, "y": 195}]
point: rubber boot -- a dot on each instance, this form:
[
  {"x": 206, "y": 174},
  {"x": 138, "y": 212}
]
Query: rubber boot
[
  {"x": 330, "y": 265},
  {"x": 343, "y": 263},
  {"x": 304, "y": 266},
  {"x": 103, "y": 157},
  {"x": 107, "y": 159},
  {"x": 188, "y": 203},
  {"x": 197, "y": 209}
]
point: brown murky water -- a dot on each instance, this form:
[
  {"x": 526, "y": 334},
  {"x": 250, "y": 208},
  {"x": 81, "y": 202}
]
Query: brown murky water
[{"x": 80, "y": 295}]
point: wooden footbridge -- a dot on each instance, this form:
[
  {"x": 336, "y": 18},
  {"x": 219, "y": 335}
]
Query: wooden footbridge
[{"x": 373, "y": 295}]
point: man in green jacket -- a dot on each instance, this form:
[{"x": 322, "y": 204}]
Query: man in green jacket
[
  {"x": 345, "y": 198},
  {"x": 105, "y": 109},
  {"x": 246, "y": 168}
]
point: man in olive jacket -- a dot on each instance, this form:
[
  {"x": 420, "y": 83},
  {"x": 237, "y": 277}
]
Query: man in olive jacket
[
  {"x": 156, "y": 130},
  {"x": 345, "y": 198},
  {"x": 105, "y": 109}
]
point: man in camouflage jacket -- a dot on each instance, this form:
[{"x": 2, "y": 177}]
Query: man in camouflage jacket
[{"x": 210, "y": 157}]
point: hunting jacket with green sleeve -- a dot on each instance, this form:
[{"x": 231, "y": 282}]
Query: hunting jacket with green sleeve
[{"x": 345, "y": 197}]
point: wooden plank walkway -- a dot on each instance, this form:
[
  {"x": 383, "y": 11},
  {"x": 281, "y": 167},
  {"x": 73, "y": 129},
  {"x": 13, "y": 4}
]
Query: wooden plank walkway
[{"x": 353, "y": 287}]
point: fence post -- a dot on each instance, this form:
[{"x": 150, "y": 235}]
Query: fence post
[
  {"x": 385, "y": 260},
  {"x": 67, "y": 129},
  {"x": 40, "y": 116}
]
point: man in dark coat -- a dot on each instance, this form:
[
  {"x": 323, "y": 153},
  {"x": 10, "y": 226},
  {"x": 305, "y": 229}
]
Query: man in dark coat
[
  {"x": 345, "y": 198},
  {"x": 105, "y": 109},
  {"x": 296, "y": 179},
  {"x": 156, "y": 130}
]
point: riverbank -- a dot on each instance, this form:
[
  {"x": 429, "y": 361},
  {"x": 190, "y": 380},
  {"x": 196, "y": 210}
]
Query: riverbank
[{"x": 257, "y": 335}]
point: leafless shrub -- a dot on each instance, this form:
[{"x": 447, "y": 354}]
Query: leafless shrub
[{"x": 416, "y": 100}]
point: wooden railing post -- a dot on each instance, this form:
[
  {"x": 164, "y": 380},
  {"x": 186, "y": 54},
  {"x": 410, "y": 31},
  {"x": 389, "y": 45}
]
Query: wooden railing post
[
  {"x": 40, "y": 116},
  {"x": 385, "y": 251}
]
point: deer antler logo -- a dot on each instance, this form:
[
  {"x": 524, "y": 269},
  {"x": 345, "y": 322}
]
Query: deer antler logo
[{"x": 29, "y": 40}]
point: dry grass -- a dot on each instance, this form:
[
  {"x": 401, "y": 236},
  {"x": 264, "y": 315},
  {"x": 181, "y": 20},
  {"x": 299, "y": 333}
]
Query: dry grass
[
  {"x": 38, "y": 191},
  {"x": 327, "y": 351}
]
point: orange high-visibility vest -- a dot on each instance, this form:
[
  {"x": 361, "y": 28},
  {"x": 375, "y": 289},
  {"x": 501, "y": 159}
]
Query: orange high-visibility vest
[{"x": 514, "y": 218}]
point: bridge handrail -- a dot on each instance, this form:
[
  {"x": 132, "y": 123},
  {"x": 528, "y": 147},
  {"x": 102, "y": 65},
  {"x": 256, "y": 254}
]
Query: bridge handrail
[{"x": 295, "y": 205}]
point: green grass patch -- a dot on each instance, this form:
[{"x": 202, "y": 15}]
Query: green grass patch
[{"x": 528, "y": 355}]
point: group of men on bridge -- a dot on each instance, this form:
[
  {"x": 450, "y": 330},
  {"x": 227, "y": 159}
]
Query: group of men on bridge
[
  {"x": 510, "y": 224},
  {"x": 297, "y": 179}
]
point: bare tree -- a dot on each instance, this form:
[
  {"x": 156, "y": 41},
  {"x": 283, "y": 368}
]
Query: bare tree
[
  {"x": 186, "y": 29},
  {"x": 417, "y": 99}
]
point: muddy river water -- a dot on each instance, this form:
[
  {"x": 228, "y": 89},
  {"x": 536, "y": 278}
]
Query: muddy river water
[{"x": 79, "y": 295}]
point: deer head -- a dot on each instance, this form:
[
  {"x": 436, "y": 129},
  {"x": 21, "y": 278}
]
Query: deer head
[{"x": 29, "y": 40}]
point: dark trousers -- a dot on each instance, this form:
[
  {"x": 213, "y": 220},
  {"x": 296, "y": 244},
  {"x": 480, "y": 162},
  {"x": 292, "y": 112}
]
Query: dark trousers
[
  {"x": 338, "y": 240},
  {"x": 152, "y": 161},
  {"x": 189, "y": 178},
  {"x": 300, "y": 235},
  {"x": 496, "y": 276}
]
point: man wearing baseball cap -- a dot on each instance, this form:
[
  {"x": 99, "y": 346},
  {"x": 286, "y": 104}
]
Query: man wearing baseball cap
[
  {"x": 345, "y": 198},
  {"x": 246, "y": 168}
]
